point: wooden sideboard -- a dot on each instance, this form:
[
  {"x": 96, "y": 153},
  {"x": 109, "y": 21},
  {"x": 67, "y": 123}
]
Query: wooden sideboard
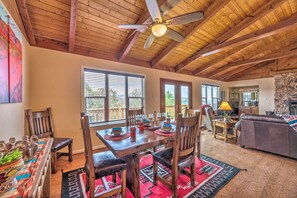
[{"x": 42, "y": 181}]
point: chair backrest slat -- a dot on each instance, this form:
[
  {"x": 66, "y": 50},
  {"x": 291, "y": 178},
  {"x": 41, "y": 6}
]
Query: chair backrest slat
[
  {"x": 40, "y": 123},
  {"x": 187, "y": 131},
  {"x": 131, "y": 116}
]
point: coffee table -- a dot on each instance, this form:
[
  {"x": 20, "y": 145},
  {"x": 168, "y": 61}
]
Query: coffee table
[{"x": 226, "y": 125}]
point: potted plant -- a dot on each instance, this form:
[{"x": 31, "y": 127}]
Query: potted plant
[{"x": 10, "y": 164}]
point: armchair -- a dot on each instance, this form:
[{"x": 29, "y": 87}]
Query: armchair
[{"x": 209, "y": 117}]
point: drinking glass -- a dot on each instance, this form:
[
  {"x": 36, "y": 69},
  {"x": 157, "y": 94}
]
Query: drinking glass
[
  {"x": 34, "y": 139},
  {"x": 158, "y": 116},
  {"x": 2, "y": 147},
  {"x": 12, "y": 140},
  {"x": 141, "y": 127},
  {"x": 151, "y": 116},
  {"x": 25, "y": 138}
]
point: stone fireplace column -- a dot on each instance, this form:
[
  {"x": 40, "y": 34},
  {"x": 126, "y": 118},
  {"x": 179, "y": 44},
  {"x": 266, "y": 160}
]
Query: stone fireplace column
[{"x": 285, "y": 91}]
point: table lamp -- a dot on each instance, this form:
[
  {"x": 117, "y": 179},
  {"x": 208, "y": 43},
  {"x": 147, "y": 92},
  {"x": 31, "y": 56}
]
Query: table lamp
[{"x": 225, "y": 107}]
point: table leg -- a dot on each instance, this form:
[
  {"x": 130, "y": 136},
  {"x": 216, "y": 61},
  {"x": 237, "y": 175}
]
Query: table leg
[
  {"x": 133, "y": 171},
  {"x": 225, "y": 133},
  {"x": 214, "y": 130}
]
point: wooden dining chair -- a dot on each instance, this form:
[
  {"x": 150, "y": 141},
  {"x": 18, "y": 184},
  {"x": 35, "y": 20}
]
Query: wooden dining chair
[
  {"x": 196, "y": 112},
  {"x": 182, "y": 155},
  {"x": 131, "y": 116},
  {"x": 131, "y": 120},
  {"x": 191, "y": 112},
  {"x": 100, "y": 165},
  {"x": 40, "y": 123}
]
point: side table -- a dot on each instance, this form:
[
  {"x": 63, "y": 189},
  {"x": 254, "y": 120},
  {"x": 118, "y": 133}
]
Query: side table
[{"x": 226, "y": 126}]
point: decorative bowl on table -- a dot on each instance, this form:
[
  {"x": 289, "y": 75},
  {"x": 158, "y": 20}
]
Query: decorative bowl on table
[
  {"x": 167, "y": 128},
  {"x": 146, "y": 122},
  {"x": 11, "y": 164},
  {"x": 116, "y": 131}
]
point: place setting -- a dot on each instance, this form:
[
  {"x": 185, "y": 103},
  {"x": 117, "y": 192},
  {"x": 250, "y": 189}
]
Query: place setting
[
  {"x": 117, "y": 134},
  {"x": 167, "y": 129}
]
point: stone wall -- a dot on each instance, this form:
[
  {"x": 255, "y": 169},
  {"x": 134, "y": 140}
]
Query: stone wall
[{"x": 285, "y": 90}]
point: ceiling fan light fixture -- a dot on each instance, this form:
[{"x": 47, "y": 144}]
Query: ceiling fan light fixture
[{"x": 159, "y": 29}]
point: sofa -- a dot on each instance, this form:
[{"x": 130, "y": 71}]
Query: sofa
[{"x": 267, "y": 133}]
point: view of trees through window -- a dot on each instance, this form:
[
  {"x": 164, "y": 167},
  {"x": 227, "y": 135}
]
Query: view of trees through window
[
  {"x": 121, "y": 95},
  {"x": 170, "y": 99}
]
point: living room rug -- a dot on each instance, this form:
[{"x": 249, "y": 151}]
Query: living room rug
[{"x": 211, "y": 176}]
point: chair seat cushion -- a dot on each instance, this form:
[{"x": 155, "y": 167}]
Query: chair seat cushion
[
  {"x": 60, "y": 143},
  {"x": 105, "y": 163},
  {"x": 165, "y": 157}
]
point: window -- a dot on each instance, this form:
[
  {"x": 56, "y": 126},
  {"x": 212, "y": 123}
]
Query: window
[
  {"x": 210, "y": 95},
  {"x": 108, "y": 94}
]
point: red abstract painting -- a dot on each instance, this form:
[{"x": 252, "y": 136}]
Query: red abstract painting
[
  {"x": 4, "y": 91},
  {"x": 10, "y": 59},
  {"x": 15, "y": 65}
]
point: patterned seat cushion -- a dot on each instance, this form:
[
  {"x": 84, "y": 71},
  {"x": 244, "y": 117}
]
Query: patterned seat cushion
[
  {"x": 105, "y": 163},
  {"x": 165, "y": 157}
]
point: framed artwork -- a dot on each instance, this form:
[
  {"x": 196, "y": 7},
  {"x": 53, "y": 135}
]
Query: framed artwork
[{"x": 10, "y": 59}]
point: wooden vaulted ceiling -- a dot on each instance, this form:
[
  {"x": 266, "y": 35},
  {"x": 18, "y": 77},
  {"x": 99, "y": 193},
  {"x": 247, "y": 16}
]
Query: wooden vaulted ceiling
[{"x": 237, "y": 39}]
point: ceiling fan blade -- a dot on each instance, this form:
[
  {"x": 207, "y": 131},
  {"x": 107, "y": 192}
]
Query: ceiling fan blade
[
  {"x": 186, "y": 18},
  {"x": 154, "y": 10},
  {"x": 149, "y": 41},
  {"x": 174, "y": 35},
  {"x": 168, "y": 5},
  {"x": 133, "y": 26}
]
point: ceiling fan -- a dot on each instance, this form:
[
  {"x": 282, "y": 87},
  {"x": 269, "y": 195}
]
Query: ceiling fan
[{"x": 160, "y": 27}]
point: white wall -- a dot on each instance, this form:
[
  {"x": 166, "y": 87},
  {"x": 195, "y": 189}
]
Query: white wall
[{"x": 266, "y": 91}]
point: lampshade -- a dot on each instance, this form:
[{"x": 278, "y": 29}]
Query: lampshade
[
  {"x": 225, "y": 106},
  {"x": 159, "y": 30}
]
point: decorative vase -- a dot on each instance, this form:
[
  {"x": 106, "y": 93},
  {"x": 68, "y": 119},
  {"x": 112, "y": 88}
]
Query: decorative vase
[{"x": 8, "y": 174}]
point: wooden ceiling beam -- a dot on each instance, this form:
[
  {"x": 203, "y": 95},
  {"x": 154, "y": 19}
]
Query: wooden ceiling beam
[
  {"x": 242, "y": 71},
  {"x": 212, "y": 63},
  {"x": 63, "y": 47},
  {"x": 284, "y": 25},
  {"x": 283, "y": 71},
  {"x": 289, "y": 37},
  {"x": 269, "y": 57},
  {"x": 249, "y": 20},
  {"x": 190, "y": 30},
  {"x": 246, "y": 72},
  {"x": 21, "y": 4},
  {"x": 258, "y": 14},
  {"x": 72, "y": 30},
  {"x": 145, "y": 18}
]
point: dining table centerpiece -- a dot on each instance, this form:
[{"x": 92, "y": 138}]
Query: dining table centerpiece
[
  {"x": 10, "y": 164},
  {"x": 13, "y": 154}
]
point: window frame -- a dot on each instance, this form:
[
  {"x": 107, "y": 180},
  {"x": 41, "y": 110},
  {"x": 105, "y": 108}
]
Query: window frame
[
  {"x": 212, "y": 95},
  {"x": 106, "y": 97}
]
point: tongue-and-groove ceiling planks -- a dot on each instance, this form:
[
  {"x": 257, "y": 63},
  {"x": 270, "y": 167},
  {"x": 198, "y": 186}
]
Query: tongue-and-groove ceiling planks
[{"x": 235, "y": 39}]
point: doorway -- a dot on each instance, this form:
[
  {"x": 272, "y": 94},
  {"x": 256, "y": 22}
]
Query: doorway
[{"x": 176, "y": 96}]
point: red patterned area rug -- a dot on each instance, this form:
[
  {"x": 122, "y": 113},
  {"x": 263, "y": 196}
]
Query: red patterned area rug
[{"x": 211, "y": 176}]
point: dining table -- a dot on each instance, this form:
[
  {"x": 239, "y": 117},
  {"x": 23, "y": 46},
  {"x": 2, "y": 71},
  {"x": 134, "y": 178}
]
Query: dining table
[{"x": 129, "y": 149}]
